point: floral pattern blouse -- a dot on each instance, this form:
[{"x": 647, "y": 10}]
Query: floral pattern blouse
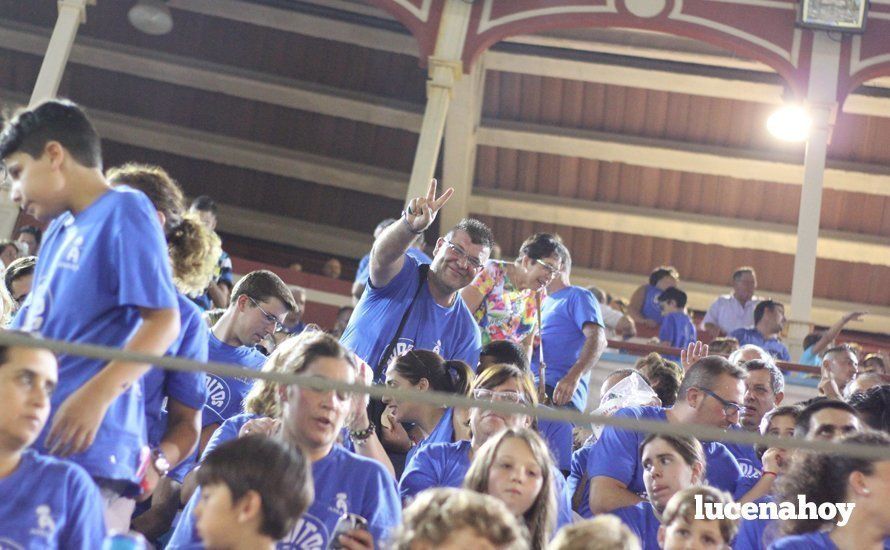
[{"x": 506, "y": 312}]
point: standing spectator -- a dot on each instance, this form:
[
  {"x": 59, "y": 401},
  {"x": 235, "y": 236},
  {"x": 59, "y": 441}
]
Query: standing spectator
[
  {"x": 361, "y": 275},
  {"x": 95, "y": 284},
  {"x": 19, "y": 278},
  {"x": 409, "y": 305},
  {"x": 769, "y": 320},
  {"x": 643, "y": 306},
  {"x": 503, "y": 295},
  {"x": 572, "y": 336},
  {"x": 9, "y": 252},
  {"x": 30, "y": 236},
  {"x": 219, "y": 291},
  {"x": 731, "y": 312},
  {"x": 677, "y": 329},
  {"x": 817, "y": 342}
]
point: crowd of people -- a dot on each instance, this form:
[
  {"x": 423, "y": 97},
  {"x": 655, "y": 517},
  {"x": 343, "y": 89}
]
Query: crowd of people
[{"x": 92, "y": 449}]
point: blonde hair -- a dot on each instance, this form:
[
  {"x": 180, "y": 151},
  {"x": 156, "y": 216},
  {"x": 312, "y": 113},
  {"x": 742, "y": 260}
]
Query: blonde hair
[
  {"x": 682, "y": 506},
  {"x": 540, "y": 519},
  {"x": 604, "y": 532},
  {"x": 292, "y": 356},
  {"x": 438, "y": 513}
]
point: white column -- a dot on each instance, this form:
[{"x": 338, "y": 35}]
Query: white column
[
  {"x": 71, "y": 14},
  {"x": 459, "y": 160},
  {"x": 445, "y": 69},
  {"x": 822, "y": 104}
]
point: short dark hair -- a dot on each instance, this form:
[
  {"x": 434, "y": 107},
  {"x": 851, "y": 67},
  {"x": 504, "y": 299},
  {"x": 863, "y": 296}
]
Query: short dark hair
[
  {"x": 662, "y": 375},
  {"x": 30, "y": 230},
  {"x": 810, "y": 339},
  {"x": 673, "y": 294},
  {"x": 17, "y": 269},
  {"x": 280, "y": 474},
  {"x": 57, "y": 120},
  {"x": 204, "y": 203},
  {"x": 804, "y": 420},
  {"x": 661, "y": 272},
  {"x": 776, "y": 378},
  {"x": 873, "y": 406},
  {"x": 507, "y": 352},
  {"x": 704, "y": 373},
  {"x": 737, "y": 274},
  {"x": 479, "y": 232},
  {"x": 540, "y": 245},
  {"x": 262, "y": 285},
  {"x": 761, "y": 308}
]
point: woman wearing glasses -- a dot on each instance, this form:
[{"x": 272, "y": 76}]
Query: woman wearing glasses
[{"x": 502, "y": 296}]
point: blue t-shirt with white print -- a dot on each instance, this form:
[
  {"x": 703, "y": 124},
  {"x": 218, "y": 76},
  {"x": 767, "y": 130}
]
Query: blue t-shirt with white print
[
  {"x": 616, "y": 454},
  {"x": 96, "y": 270},
  {"x": 446, "y": 465},
  {"x": 344, "y": 483},
  {"x": 225, "y": 394},
  {"x": 50, "y": 503},
  {"x": 651, "y": 309},
  {"x": 749, "y": 462},
  {"x": 641, "y": 519},
  {"x": 188, "y": 388},
  {"x": 563, "y": 316},
  {"x": 451, "y": 331}
]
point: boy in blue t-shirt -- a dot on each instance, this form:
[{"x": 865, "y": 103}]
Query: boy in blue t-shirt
[
  {"x": 677, "y": 329},
  {"x": 46, "y": 502},
  {"x": 103, "y": 278}
]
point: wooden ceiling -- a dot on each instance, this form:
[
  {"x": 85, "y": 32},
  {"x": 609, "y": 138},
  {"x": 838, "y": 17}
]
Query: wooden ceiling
[{"x": 268, "y": 155}]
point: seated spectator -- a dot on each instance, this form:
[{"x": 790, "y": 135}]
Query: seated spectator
[
  {"x": 664, "y": 377},
  {"x": 864, "y": 382},
  {"x": 47, "y": 502},
  {"x": 817, "y": 342},
  {"x": 826, "y": 420},
  {"x": 604, "y": 532},
  {"x": 643, "y": 303},
  {"x": 840, "y": 365},
  {"x": 873, "y": 362},
  {"x": 618, "y": 323},
  {"x": 724, "y": 346},
  {"x": 710, "y": 394},
  {"x": 515, "y": 466},
  {"x": 502, "y": 352},
  {"x": 504, "y": 296},
  {"x": 833, "y": 478},
  {"x": 670, "y": 464},
  {"x": 677, "y": 329},
  {"x": 220, "y": 289},
  {"x": 312, "y": 420},
  {"x": 769, "y": 320},
  {"x": 731, "y": 312},
  {"x": 873, "y": 406},
  {"x": 681, "y": 529},
  {"x": 9, "y": 252},
  {"x": 415, "y": 250},
  {"x": 332, "y": 268},
  {"x": 19, "y": 277},
  {"x": 254, "y": 491},
  {"x": 30, "y": 237},
  {"x": 458, "y": 519},
  {"x": 344, "y": 314}
]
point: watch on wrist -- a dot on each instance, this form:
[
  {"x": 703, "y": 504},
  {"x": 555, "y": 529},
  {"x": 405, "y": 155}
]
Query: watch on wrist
[{"x": 159, "y": 462}]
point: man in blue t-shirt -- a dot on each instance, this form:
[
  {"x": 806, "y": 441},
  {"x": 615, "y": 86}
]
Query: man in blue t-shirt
[
  {"x": 411, "y": 305},
  {"x": 572, "y": 336},
  {"x": 676, "y": 330},
  {"x": 769, "y": 319},
  {"x": 103, "y": 278},
  {"x": 710, "y": 395},
  {"x": 46, "y": 502},
  {"x": 361, "y": 275}
]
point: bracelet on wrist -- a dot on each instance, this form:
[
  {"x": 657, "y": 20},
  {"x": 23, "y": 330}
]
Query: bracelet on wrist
[
  {"x": 768, "y": 473},
  {"x": 409, "y": 226},
  {"x": 360, "y": 436}
]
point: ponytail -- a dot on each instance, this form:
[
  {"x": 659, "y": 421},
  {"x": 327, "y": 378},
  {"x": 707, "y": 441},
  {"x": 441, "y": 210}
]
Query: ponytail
[
  {"x": 444, "y": 376},
  {"x": 461, "y": 376}
]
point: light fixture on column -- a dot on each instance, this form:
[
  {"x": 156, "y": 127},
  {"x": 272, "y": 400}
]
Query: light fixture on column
[
  {"x": 833, "y": 15},
  {"x": 151, "y": 17},
  {"x": 790, "y": 122}
]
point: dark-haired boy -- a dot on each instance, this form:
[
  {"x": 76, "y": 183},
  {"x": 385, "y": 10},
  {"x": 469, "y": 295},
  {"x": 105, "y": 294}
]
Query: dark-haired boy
[
  {"x": 677, "y": 329},
  {"x": 253, "y": 491},
  {"x": 103, "y": 278}
]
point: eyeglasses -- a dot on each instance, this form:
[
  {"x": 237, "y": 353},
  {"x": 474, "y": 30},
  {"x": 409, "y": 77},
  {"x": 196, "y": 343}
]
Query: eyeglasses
[
  {"x": 506, "y": 396},
  {"x": 729, "y": 408},
  {"x": 268, "y": 316},
  {"x": 462, "y": 254},
  {"x": 551, "y": 270}
]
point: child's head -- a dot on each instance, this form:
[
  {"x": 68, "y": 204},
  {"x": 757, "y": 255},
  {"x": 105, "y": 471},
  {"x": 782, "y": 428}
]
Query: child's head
[
  {"x": 260, "y": 302},
  {"x": 679, "y": 527},
  {"x": 604, "y": 532},
  {"x": 28, "y": 377},
  {"x": 515, "y": 466},
  {"x": 670, "y": 464},
  {"x": 43, "y": 148},
  {"x": 457, "y": 519},
  {"x": 253, "y": 485},
  {"x": 672, "y": 299}
]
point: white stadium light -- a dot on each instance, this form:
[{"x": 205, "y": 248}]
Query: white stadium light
[{"x": 790, "y": 123}]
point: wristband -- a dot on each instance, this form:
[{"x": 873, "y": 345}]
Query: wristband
[
  {"x": 408, "y": 225},
  {"x": 768, "y": 473},
  {"x": 360, "y": 436}
]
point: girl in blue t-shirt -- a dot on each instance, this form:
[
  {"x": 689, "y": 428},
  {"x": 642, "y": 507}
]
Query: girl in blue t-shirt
[
  {"x": 670, "y": 464},
  {"x": 515, "y": 466},
  {"x": 831, "y": 478},
  {"x": 312, "y": 420},
  {"x": 682, "y": 530}
]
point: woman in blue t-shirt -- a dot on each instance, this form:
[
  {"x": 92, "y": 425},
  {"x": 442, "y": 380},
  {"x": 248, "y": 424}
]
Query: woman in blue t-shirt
[
  {"x": 670, "y": 464},
  {"x": 515, "y": 466},
  {"x": 831, "y": 478},
  {"x": 643, "y": 303},
  {"x": 312, "y": 420}
]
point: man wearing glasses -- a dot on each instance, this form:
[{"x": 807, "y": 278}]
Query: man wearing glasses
[
  {"x": 711, "y": 395},
  {"x": 407, "y": 305}
]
